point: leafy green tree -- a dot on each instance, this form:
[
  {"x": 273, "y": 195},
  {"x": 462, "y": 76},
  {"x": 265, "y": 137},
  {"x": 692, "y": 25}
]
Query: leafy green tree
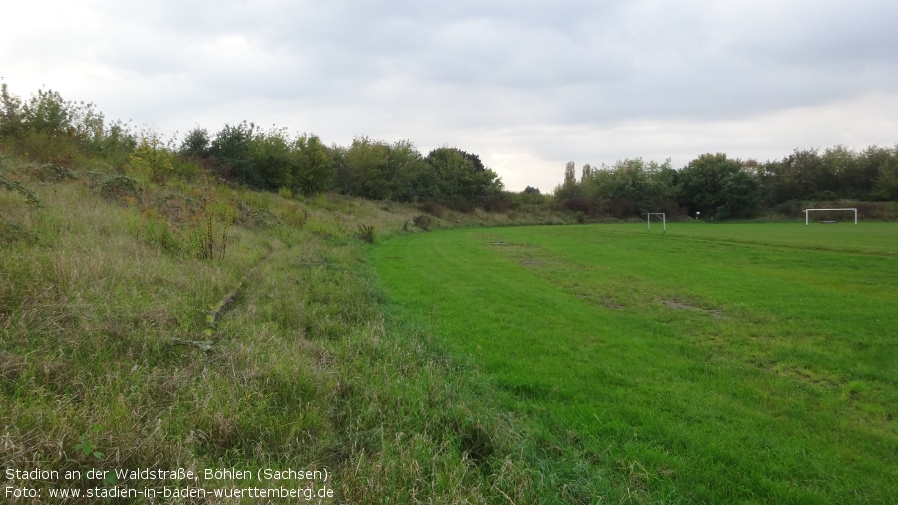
[
  {"x": 368, "y": 166},
  {"x": 873, "y": 171},
  {"x": 231, "y": 150},
  {"x": 837, "y": 176},
  {"x": 718, "y": 187},
  {"x": 313, "y": 167},
  {"x": 47, "y": 112},
  {"x": 11, "y": 113},
  {"x": 569, "y": 187},
  {"x": 886, "y": 185},
  {"x": 413, "y": 178},
  {"x": 461, "y": 176},
  {"x": 740, "y": 196},
  {"x": 587, "y": 169},
  {"x": 796, "y": 177},
  {"x": 196, "y": 143},
  {"x": 631, "y": 187},
  {"x": 529, "y": 190},
  {"x": 272, "y": 158}
]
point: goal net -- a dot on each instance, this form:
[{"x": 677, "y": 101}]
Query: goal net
[{"x": 807, "y": 213}]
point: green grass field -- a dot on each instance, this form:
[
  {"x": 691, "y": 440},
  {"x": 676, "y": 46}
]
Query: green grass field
[{"x": 724, "y": 363}]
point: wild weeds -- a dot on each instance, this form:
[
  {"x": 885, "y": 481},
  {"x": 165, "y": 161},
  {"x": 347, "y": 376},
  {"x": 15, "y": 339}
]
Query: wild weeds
[
  {"x": 423, "y": 221},
  {"x": 206, "y": 233},
  {"x": 17, "y": 187},
  {"x": 366, "y": 233}
]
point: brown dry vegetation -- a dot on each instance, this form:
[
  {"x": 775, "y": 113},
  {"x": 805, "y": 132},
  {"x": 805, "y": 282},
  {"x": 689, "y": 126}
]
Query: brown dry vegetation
[{"x": 109, "y": 357}]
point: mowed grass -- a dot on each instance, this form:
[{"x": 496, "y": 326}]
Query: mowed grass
[{"x": 743, "y": 363}]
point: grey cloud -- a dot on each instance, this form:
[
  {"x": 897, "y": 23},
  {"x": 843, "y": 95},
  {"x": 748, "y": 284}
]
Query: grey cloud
[{"x": 540, "y": 77}]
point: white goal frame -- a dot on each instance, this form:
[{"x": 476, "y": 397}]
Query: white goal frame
[
  {"x": 648, "y": 218},
  {"x": 807, "y": 212}
]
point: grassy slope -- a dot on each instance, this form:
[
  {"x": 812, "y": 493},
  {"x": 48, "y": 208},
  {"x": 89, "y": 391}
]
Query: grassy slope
[
  {"x": 695, "y": 366},
  {"x": 106, "y": 362}
]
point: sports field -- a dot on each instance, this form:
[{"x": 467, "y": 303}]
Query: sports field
[{"x": 715, "y": 363}]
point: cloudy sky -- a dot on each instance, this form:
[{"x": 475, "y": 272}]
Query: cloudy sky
[{"x": 528, "y": 85}]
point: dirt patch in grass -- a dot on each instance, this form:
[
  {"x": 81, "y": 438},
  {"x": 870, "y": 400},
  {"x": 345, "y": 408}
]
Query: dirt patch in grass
[
  {"x": 611, "y": 304},
  {"x": 678, "y": 305}
]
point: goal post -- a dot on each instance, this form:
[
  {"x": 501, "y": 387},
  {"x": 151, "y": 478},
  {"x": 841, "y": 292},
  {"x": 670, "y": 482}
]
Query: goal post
[
  {"x": 648, "y": 218},
  {"x": 807, "y": 213}
]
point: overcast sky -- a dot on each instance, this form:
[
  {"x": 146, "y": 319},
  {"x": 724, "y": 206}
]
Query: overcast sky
[{"x": 527, "y": 85}]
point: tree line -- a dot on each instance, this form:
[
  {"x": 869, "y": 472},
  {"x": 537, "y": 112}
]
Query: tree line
[
  {"x": 720, "y": 187},
  {"x": 47, "y": 128}
]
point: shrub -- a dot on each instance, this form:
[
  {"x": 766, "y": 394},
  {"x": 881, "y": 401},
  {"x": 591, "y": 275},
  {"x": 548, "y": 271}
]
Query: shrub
[
  {"x": 460, "y": 205},
  {"x": 16, "y": 187},
  {"x": 366, "y": 233},
  {"x": 207, "y": 235},
  {"x": 422, "y": 221},
  {"x": 497, "y": 204},
  {"x": 433, "y": 208},
  {"x": 623, "y": 207},
  {"x": 577, "y": 204},
  {"x": 120, "y": 188}
]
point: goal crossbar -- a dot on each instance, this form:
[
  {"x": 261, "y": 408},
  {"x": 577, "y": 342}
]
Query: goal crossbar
[
  {"x": 807, "y": 213},
  {"x": 648, "y": 218}
]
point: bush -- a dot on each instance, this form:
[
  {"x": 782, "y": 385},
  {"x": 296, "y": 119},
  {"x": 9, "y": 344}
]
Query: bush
[
  {"x": 497, "y": 204},
  {"x": 422, "y": 221},
  {"x": 15, "y": 186},
  {"x": 460, "y": 205},
  {"x": 623, "y": 207},
  {"x": 366, "y": 233},
  {"x": 577, "y": 204},
  {"x": 433, "y": 208},
  {"x": 51, "y": 172},
  {"x": 120, "y": 188}
]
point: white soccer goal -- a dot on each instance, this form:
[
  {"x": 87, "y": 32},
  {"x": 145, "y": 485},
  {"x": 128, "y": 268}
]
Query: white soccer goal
[
  {"x": 648, "y": 218},
  {"x": 807, "y": 213}
]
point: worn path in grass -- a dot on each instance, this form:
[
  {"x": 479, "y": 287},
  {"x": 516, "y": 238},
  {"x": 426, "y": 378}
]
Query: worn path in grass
[{"x": 713, "y": 363}]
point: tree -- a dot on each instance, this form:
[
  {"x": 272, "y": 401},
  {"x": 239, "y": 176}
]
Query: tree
[
  {"x": 195, "y": 144},
  {"x": 740, "y": 196},
  {"x": 271, "y": 159},
  {"x": 631, "y": 187},
  {"x": 11, "y": 113},
  {"x": 838, "y": 175},
  {"x": 461, "y": 176},
  {"x": 717, "y": 186},
  {"x": 313, "y": 167},
  {"x": 367, "y": 164},
  {"x": 874, "y": 168},
  {"x": 231, "y": 149},
  {"x": 413, "y": 179},
  {"x": 47, "y": 112},
  {"x": 886, "y": 185},
  {"x": 569, "y": 187}
]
